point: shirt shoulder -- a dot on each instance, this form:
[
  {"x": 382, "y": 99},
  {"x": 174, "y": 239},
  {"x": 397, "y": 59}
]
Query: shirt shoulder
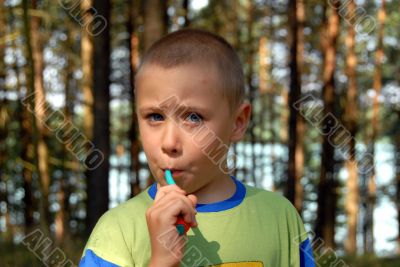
[
  {"x": 138, "y": 203},
  {"x": 274, "y": 205},
  {"x": 268, "y": 199},
  {"x": 113, "y": 237}
]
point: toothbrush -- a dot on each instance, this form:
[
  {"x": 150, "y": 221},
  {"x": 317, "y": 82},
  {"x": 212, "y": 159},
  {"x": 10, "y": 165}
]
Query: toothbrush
[{"x": 181, "y": 226}]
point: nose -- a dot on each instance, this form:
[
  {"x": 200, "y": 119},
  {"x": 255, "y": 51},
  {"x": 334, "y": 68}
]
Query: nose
[{"x": 171, "y": 143}]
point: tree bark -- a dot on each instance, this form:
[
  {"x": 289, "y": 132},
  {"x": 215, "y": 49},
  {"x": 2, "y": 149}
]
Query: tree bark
[
  {"x": 327, "y": 187},
  {"x": 155, "y": 26},
  {"x": 87, "y": 91},
  {"x": 284, "y": 118},
  {"x": 235, "y": 44},
  {"x": 271, "y": 91},
  {"x": 155, "y": 21},
  {"x": 97, "y": 186},
  {"x": 133, "y": 65},
  {"x": 64, "y": 190},
  {"x": 294, "y": 189},
  {"x": 350, "y": 119},
  {"x": 24, "y": 135},
  {"x": 263, "y": 84},
  {"x": 377, "y": 85},
  {"x": 3, "y": 33},
  {"x": 87, "y": 69},
  {"x": 252, "y": 89},
  {"x": 38, "y": 106},
  {"x": 186, "y": 9},
  {"x": 397, "y": 172},
  {"x": 3, "y": 124}
]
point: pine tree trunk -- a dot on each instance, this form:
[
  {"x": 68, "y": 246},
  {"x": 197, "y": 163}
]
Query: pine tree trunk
[
  {"x": 155, "y": 21},
  {"x": 377, "y": 85},
  {"x": 62, "y": 216},
  {"x": 186, "y": 8},
  {"x": 24, "y": 135},
  {"x": 271, "y": 121},
  {"x": 397, "y": 171},
  {"x": 271, "y": 104},
  {"x": 87, "y": 69},
  {"x": 155, "y": 26},
  {"x": 284, "y": 118},
  {"x": 3, "y": 33},
  {"x": 327, "y": 187},
  {"x": 97, "y": 186},
  {"x": 267, "y": 94},
  {"x": 263, "y": 84},
  {"x": 294, "y": 189},
  {"x": 133, "y": 131},
  {"x": 3, "y": 123},
  {"x": 252, "y": 91},
  {"x": 87, "y": 89},
  {"x": 42, "y": 149},
  {"x": 350, "y": 119},
  {"x": 235, "y": 44},
  {"x": 37, "y": 104},
  {"x": 3, "y": 100},
  {"x": 236, "y": 29}
]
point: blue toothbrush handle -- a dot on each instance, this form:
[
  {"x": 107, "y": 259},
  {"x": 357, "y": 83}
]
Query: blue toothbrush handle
[{"x": 181, "y": 226}]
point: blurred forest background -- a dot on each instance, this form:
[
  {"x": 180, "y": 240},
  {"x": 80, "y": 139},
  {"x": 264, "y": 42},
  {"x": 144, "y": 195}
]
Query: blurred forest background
[{"x": 323, "y": 78}]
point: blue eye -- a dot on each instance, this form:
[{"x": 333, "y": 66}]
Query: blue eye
[
  {"x": 194, "y": 117},
  {"x": 155, "y": 117}
]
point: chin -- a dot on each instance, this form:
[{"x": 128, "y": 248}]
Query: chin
[{"x": 193, "y": 190}]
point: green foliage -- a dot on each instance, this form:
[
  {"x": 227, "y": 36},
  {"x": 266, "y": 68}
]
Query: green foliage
[
  {"x": 20, "y": 256},
  {"x": 372, "y": 261}
]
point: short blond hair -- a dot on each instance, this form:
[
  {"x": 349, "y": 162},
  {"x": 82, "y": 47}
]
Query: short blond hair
[{"x": 189, "y": 46}]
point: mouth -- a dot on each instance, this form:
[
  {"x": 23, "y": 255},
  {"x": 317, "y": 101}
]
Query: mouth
[{"x": 174, "y": 172}]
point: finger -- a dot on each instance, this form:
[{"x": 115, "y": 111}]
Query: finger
[
  {"x": 175, "y": 196},
  {"x": 185, "y": 210},
  {"x": 164, "y": 190},
  {"x": 171, "y": 187},
  {"x": 193, "y": 199},
  {"x": 161, "y": 197},
  {"x": 182, "y": 206}
]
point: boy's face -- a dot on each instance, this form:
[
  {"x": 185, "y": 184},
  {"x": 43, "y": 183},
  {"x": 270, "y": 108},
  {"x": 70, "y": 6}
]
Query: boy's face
[{"x": 185, "y": 125}]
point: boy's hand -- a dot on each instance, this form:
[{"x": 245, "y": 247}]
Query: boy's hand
[{"x": 167, "y": 246}]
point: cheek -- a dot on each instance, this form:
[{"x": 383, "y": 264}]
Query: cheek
[
  {"x": 148, "y": 142},
  {"x": 203, "y": 156},
  {"x": 148, "y": 145}
]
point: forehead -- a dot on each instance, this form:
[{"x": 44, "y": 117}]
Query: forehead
[
  {"x": 191, "y": 78},
  {"x": 201, "y": 68},
  {"x": 189, "y": 85}
]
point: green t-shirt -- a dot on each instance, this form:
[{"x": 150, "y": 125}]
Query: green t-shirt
[{"x": 253, "y": 228}]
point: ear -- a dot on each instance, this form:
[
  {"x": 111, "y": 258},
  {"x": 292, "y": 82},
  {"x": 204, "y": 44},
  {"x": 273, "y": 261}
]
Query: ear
[{"x": 241, "y": 121}]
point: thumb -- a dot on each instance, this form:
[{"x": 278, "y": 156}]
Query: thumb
[{"x": 193, "y": 199}]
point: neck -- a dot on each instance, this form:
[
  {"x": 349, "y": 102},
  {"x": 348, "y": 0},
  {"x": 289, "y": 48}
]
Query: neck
[{"x": 221, "y": 189}]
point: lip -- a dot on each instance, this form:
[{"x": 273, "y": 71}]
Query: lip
[{"x": 174, "y": 172}]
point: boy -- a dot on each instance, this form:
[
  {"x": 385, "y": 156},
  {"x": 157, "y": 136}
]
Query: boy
[{"x": 190, "y": 105}]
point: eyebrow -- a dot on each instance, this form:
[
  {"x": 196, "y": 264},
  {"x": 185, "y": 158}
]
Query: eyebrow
[{"x": 178, "y": 110}]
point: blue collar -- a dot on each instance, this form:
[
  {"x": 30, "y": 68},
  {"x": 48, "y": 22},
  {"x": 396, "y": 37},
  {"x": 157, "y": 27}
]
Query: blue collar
[{"x": 226, "y": 204}]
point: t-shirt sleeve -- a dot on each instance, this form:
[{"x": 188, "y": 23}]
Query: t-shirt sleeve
[
  {"x": 91, "y": 259},
  {"x": 107, "y": 246},
  {"x": 306, "y": 254},
  {"x": 304, "y": 244}
]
